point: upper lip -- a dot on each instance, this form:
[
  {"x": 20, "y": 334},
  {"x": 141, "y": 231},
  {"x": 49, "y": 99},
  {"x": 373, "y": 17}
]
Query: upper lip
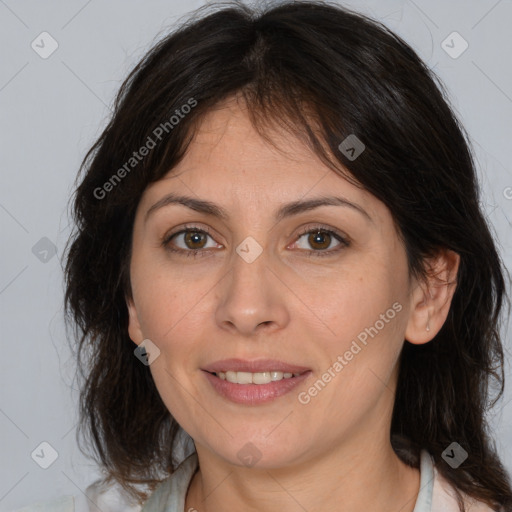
[{"x": 255, "y": 366}]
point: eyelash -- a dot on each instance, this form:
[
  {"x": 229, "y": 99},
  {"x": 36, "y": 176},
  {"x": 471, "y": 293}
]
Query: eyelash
[{"x": 204, "y": 252}]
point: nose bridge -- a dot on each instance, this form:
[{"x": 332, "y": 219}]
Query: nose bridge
[
  {"x": 251, "y": 295},
  {"x": 248, "y": 270}
]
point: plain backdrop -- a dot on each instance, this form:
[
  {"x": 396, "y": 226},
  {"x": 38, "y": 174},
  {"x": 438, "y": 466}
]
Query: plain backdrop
[{"x": 53, "y": 108}]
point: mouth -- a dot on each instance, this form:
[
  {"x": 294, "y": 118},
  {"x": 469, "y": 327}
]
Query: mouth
[{"x": 254, "y": 382}]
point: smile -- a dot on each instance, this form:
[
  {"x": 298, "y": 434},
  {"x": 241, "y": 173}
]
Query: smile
[{"x": 243, "y": 387}]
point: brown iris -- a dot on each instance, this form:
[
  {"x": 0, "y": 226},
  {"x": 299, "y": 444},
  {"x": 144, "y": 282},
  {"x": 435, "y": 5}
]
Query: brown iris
[
  {"x": 314, "y": 239},
  {"x": 193, "y": 236}
]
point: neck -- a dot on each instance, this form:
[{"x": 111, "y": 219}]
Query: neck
[{"x": 355, "y": 481}]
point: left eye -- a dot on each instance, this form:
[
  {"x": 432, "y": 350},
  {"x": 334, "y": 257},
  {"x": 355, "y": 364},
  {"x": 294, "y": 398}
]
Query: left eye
[{"x": 321, "y": 239}]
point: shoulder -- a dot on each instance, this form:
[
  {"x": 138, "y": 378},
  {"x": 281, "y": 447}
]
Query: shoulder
[
  {"x": 444, "y": 497},
  {"x": 170, "y": 495},
  {"x": 97, "y": 498},
  {"x": 60, "y": 504}
]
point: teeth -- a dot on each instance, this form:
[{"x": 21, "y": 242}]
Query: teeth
[{"x": 254, "y": 378}]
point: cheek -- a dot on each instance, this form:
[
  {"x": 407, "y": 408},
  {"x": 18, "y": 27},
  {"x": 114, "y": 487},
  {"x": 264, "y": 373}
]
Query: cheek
[
  {"x": 369, "y": 319},
  {"x": 357, "y": 299},
  {"x": 172, "y": 307}
]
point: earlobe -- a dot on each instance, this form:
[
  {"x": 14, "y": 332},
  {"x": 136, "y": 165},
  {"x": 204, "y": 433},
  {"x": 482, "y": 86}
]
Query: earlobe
[
  {"x": 134, "y": 329},
  {"x": 431, "y": 297}
]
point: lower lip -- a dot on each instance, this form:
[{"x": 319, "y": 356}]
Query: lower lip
[{"x": 253, "y": 394}]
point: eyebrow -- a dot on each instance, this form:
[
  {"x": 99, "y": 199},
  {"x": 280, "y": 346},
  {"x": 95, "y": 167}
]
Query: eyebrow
[{"x": 287, "y": 210}]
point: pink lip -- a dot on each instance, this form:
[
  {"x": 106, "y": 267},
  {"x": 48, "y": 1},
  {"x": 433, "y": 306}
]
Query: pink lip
[
  {"x": 254, "y": 394},
  {"x": 260, "y": 365}
]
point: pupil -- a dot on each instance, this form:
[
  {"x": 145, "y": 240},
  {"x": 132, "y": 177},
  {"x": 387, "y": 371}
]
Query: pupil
[
  {"x": 193, "y": 237},
  {"x": 317, "y": 239}
]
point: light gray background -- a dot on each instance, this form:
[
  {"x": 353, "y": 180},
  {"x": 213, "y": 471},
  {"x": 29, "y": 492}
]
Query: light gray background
[{"x": 51, "y": 111}]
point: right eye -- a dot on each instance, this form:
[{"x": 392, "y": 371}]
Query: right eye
[{"x": 193, "y": 239}]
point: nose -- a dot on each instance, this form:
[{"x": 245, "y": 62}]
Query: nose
[{"x": 252, "y": 297}]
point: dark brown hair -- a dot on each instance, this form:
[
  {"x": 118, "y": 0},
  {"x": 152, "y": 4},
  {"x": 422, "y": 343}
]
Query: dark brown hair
[{"x": 323, "y": 73}]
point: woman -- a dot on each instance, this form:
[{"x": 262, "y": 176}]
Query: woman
[{"x": 280, "y": 255}]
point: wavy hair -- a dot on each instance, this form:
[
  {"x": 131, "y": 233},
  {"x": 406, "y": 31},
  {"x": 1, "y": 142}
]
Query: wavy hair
[{"x": 322, "y": 72}]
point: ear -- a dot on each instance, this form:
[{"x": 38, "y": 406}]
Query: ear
[
  {"x": 134, "y": 328},
  {"x": 431, "y": 297}
]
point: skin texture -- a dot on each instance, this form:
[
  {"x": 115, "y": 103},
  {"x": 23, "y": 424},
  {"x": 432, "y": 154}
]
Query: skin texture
[{"x": 333, "y": 453}]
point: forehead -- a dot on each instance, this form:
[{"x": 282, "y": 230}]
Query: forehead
[{"x": 229, "y": 162}]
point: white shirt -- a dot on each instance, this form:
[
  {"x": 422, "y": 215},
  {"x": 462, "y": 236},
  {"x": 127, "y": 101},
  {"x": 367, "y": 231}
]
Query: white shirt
[{"x": 435, "y": 495}]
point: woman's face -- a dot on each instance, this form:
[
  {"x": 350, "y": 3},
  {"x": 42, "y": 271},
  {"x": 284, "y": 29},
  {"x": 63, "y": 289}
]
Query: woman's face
[{"x": 335, "y": 304}]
